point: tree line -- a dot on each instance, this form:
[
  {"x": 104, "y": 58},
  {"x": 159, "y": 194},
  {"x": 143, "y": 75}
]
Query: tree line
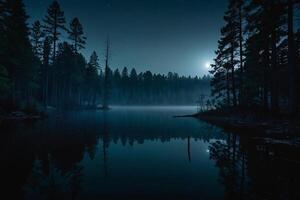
[
  {"x": 146, "y": 88},
  {"x": 36, "y": 66},
  {"x": 257, "y": 59}
]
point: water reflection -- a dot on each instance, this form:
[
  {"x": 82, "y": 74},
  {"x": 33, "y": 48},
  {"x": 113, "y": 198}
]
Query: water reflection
[
  {"x": 250, "y": 170},
  {"x": 137, "y": 153},
  {"x": 189, "y": 149}
]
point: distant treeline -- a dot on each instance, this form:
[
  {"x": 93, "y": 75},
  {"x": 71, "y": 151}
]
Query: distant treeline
[
  {"x": 258, "y": 56},
  {"x": 36, "y": 67},
  {"x": 147, "y": 88}
]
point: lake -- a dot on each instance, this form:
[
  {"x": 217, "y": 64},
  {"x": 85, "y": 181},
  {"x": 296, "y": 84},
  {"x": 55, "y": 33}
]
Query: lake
[{"x": 138, "y": 153}]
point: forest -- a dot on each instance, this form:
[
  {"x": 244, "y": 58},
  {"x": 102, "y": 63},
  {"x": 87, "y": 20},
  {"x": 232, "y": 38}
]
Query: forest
[
  {"x": 256, "y": 63},
  {"x": 75, "y": 125},
  {"x": 39, "y": 69},
  {"x": 258, "y": 57}
]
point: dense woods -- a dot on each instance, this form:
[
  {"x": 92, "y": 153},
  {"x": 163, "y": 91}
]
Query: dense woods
[
  {"x": 241, "y": 141},
  {"x": 257, "y": 60},
  {"x": 256, "y": 63},
  {"x": 38, "y": 68},
  {"x": 128, "y": 87}
]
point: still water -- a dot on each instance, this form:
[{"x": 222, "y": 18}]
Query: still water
[{"x": 137, "y": 153}]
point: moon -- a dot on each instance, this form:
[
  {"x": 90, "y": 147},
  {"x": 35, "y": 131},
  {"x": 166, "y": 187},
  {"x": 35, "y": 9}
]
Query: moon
[{"x": 207, "y": 65}]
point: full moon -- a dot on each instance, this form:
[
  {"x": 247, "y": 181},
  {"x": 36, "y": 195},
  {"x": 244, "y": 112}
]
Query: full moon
[{"x": 207, "y": 65}]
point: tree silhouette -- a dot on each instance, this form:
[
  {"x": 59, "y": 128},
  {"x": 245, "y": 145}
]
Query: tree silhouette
[
  {"x": 292, "y": 63},
  {"x": 93, "y": 79},
  {"x": 255, "y": 51},
  {"x": 37, "y": 38},
  {"x": 46, "y": 71},
  {"x": 54, "y": 23},
  {"x": 76, "y": 34},
  {"x": 106, "y": 76},
  {"x": 17, "y": 55}
]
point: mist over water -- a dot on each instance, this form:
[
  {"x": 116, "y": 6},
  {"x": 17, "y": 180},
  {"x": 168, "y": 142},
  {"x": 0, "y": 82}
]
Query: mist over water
[{"x": 152, "y": 99}]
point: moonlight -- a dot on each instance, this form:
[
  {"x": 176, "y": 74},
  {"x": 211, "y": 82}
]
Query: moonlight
[{"x": 207, "y": 65}]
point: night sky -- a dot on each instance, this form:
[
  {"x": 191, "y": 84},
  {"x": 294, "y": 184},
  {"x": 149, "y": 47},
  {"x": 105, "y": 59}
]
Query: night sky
[{"x": 157, "y": 35}]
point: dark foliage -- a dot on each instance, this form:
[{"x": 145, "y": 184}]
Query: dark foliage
[
  {"x": 256, "y": 61},
  {"x": 37, "y": 68}
]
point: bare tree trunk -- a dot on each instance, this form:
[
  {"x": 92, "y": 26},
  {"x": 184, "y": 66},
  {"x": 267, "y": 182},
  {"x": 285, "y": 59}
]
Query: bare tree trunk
[
  {"x": 47, "y": 88},
  {"x": 227, "y": 88},
  {"x": 291, "y": 61},
  {"x": 274, "y": 78},
  {"x": 241, "y": 99},
  {"x": 233, "y": 78},
  {"x": 265, "y": 76},
  {"x": 105, "y": 95}
]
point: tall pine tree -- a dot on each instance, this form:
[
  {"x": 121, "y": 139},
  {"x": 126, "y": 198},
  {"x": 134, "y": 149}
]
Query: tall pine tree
[
  {"x": 37, "y": 36},
  {"x": 19, "y": 58},
  {"x": 54, "y": 24},
  {"x": 76, "y": 35},
  {"x": 226, "y": 63}
]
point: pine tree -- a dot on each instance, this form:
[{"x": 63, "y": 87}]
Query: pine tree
[
  {"x": 19, "y": 60},
  {"x": 264, "y": 23},
  {"x": 266, "y": 51},
  {"x": 92, "y": 79},
  {"x": 257, "y": 63},
  {"x": 37, "y": 36},
  {"x": 220, "y": 81},
  {"x": 94, "y": 61},
  {"x": 133, "y": 75},
  {"x": 291, "y": 61},
  {"x": 54, "y": 23},
  {"x": 70, "y": 70},
  {"x": 239, "y": 5},
  {"x": 45, "y": 69},
  {"x": 76, "y": 35},
  {"x": 228, "y": 48},
  {"x": 117, "y": 76},
  {"x": 125, "y": 74},
  {"x": 230, "y": 64},
  {"x": 276, "y": 14}
]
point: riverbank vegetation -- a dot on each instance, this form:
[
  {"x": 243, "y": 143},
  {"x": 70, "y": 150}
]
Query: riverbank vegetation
[
  {"x": 256, "y": 71},
  {"x": 257, "y": 61}
]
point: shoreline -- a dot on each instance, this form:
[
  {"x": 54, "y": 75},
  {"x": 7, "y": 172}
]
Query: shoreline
[
  {"x": 19, "y": 116},
  {"x": 265, "y": 130},
  {"x": 267, "y": 126}
]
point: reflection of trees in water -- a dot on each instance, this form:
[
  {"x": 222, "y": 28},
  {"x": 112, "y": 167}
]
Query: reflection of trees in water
[
  {"x": 129, "y": 135},
  {"x": 105, "y": 144},
  {"x": 248, "y": 173},
  {"x": 53, "y": 183},
  {"x": 60, "y": 145},
  {"x": 189, "y": 149},
  {"x": 16, "y": 163},
  {"x": 230, "y": 161}
]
